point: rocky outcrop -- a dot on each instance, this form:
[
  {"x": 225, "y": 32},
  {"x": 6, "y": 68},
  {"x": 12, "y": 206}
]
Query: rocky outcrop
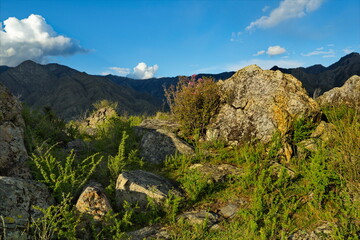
[
  {"x": 257, "y": 104},
  {"x": 158, "y": 140},
  {"x": 17, "y": 198},
  {"x": 137, "y": 186},
  {"x": 348, "y": 94},
  {"x": 93, "y": 201},
  {"x": 12, "y": 149}
]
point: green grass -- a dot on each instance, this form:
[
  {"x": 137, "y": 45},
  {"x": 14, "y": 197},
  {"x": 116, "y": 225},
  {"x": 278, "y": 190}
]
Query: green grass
[{"x": 279, "y": 197}]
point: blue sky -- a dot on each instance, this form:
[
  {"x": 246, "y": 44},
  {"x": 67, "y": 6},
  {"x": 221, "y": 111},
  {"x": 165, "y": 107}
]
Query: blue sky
[{"x": 159, "y": 38}]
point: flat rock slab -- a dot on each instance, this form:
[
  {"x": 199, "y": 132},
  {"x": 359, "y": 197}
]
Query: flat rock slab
[
  {"x": 200, "y": 217},
  {"x": 159, "y": 140},
  {"x": 137, "y": 186}
]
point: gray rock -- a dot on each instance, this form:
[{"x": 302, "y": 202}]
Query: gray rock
[
  {"x": 137, "y": 185},
  {"x": 258, "y": 103},
  {"x": 200, "y": 217},
  {"x": 13, "y": 154},
  {"x": 348, "y": 94},
  {"x": 97, "y": 118},
  {"x": 158, "y": 140},
  {"x": 229, "y": 210},
  {"x": 93, "y": 201},
  {"x": 216, "y": 173},
  {"x": 150, "y": 232},
  {"x": 17, "y": 197}
]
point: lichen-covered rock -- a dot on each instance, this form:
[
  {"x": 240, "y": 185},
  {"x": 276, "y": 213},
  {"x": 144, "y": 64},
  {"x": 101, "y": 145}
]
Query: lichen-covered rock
[
  {"x": 158, "y": 140},
  {"x": 12, "y": 149},
  {"x": 17, "y": 198},
  {"x": 93, "y": 201},
  {"x": 97, "y": 118},
  {"x": 257, "y": 104},
  {"x": 137, "y": 186},
  {"x": 348, "y": 94}
]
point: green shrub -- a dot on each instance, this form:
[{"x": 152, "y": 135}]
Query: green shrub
[
  {"x": 45, "y": 126},
  {"x": 302, "y": 129},
  {"x": 194, "y": 103},
  {"x": 66, "y": 176},
  {"x": 105, "y": 104}
]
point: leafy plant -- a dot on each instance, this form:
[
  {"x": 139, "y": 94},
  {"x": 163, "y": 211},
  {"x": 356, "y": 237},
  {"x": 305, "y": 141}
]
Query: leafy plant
[{"x": 63, "y": 177}]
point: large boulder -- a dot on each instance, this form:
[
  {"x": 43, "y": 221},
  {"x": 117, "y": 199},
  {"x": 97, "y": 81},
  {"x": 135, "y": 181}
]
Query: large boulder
[
  {"x": 348, "y": 94},
  {"x": 13, "y": 154},
  {"x": 17, "y": 198},
  {"x": 159, "y": 140},
  {"x": 137, "y": 186},
  {"x": 93, "y": 201},
  {"x": 257, "y": 104}
]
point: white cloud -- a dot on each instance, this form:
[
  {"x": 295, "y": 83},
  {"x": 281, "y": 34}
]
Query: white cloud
[
  {"x": 348, "y": 50},
  {"x": 275, "y": 50},
  {"x": 121, "y": 71},
  {"x": 265, "y": 64},
  {"x": 235, "y": 36},
  {"x": 320, "y": 48},
  {"x": 329, "y": 56},
  {"x": 331, "y": 45},
  {"x": 32, "y": 38},
  {"x": 317, "y": 52},
  {"x": 287, "y": 9},
  {"x": 265, "y": 8},
  {"x": 141, "y": 71},
  {"x": 259, "y": 53}
]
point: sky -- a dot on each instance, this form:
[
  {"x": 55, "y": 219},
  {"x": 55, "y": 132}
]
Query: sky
[{"x": 164, "y": 38}]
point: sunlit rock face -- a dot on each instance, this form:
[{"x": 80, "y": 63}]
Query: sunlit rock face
[
  {"x": 348, "y": 94},
  {"x": 258, "y": 103}
]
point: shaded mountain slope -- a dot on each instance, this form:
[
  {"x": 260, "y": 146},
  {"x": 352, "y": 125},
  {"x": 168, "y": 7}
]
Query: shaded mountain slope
[
  {"x": 155, "y": 86},
  {"x": 326, "y": 78},
  {"x": 69, "y": 92}
]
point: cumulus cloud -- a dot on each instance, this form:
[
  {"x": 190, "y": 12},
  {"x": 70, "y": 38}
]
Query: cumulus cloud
[
  {"x": 141, "y": 71},
  {"x": 275, "y": 50},
  {"x": 32, "y": 38},
  {"x": 287, "y": 9},
  {"x": 318, "y": 52},
  {"x": 259, "y": 53}
]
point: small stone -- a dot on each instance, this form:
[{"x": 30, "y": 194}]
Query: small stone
[
  {"x": 93, "y": 201},
  {"x": 229, "y": 210},
  {"x": 200, "y": 217}
]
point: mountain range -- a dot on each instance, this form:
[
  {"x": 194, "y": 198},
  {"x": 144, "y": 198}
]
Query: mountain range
[{"x": 71, "y": 93}]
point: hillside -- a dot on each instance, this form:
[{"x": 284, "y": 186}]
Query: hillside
[
  {"x": 326, "y": 78},
  {"x": 69, "y": 92}
]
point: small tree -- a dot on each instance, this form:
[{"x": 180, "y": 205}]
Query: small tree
[{"x": 193, "y": 102}]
